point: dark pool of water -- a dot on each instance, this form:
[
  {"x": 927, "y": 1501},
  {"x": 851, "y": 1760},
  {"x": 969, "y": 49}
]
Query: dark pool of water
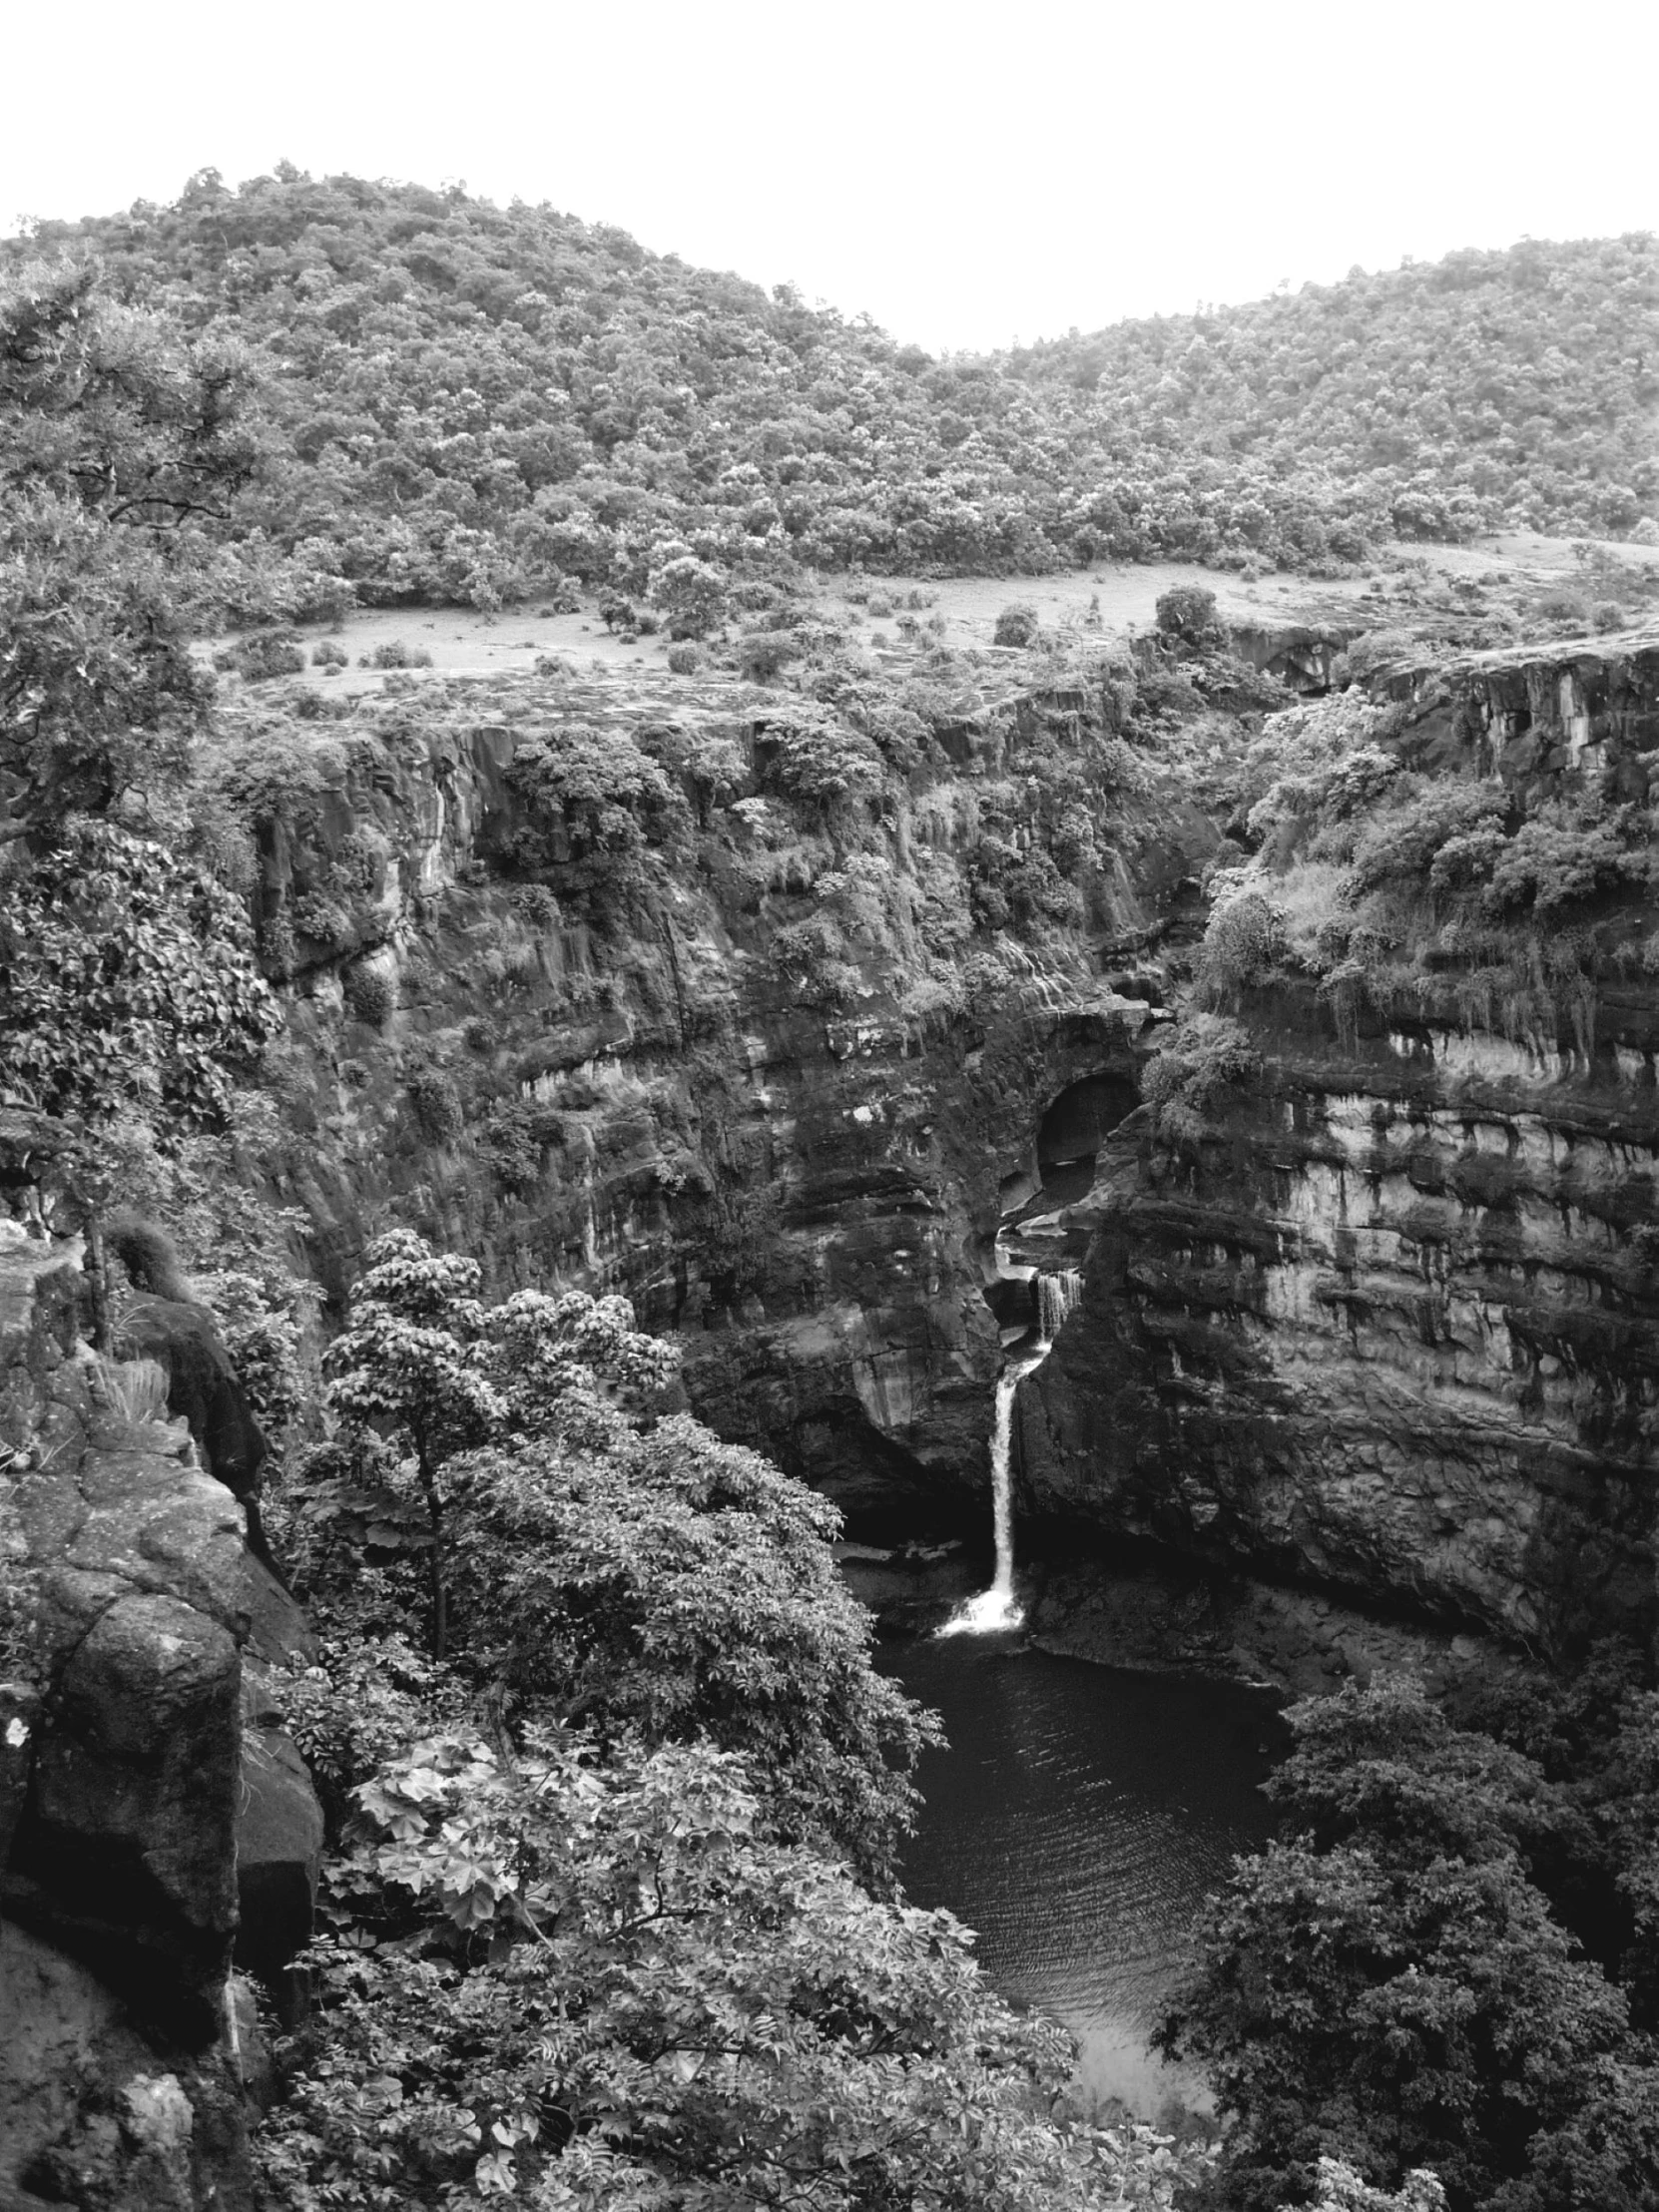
[{"x": 1076, "y": 1823}]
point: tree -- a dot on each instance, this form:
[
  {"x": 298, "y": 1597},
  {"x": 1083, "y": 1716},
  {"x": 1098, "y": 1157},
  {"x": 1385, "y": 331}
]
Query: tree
[
  {"x": 659, "y": 1581},
  {"x": 126, "y": 986},
  {"x": 1389, "y": 1987},
  {"x": 121, "y": 443},
  {"x": 1187, "y": 613},
  {"x": 692, "y": 596},
  {"x": 127, "y": 982},
  {"x": 562, "y": 1983},
  {"x": 592, "y": 1560},
  {"x": 411, "y": 1368}
]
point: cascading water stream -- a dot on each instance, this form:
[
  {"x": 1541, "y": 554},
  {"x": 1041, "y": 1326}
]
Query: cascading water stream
[
  {"x": 1057, "y": 1296},
  {"x": 997, "y": 1608}
]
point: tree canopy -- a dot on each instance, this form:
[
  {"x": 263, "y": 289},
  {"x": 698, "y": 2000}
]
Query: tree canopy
[
  {"x": 1390, "y": 1986},
  {"x": 123, "y": 442},
  {"x": 477, "y": 402},
  {"x": 611, "y": 1919}
]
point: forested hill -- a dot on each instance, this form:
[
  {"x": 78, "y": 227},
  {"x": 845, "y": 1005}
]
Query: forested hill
[
  {"x": 1522, "y": 386},
  {"x": 471, "y": 403}
]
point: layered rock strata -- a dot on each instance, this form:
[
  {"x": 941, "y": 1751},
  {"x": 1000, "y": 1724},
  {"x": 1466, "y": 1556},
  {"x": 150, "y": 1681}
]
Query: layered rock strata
[
  {"x": 806, "y": 1194},
  {"x": 1392, "y": 1327}
]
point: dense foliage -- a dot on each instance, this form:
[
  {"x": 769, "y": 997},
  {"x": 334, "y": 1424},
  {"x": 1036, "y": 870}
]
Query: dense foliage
[
  {"x": 123, "y": 443},
  {"x": 1515, "y": 386},
  {"x": 127, "y": 981},
  {"x": 1395, "y": 1984},
  {"x": 1397, "y": 889},
  {"x": 594, "y": 1561},
  {"x": 595, "y": 1928},
  {"x": 477, "y": 403},
  {"x": 613, "y": 1787},
  {"x": 569, "y": 1982}
]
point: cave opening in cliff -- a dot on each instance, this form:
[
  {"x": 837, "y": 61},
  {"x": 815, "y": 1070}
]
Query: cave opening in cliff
[
  {"x": 1035, "y": 1234},
  {"x": 1075, "y": 1125}
]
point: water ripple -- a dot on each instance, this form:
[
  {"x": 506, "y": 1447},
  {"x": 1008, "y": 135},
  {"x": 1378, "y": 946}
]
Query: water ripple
[{"x": 1077, "y": 1820}]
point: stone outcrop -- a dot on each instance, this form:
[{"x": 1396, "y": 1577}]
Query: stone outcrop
[
  {"x": 1300, "y": 654},
  {"x": 129, "y": 1601}
]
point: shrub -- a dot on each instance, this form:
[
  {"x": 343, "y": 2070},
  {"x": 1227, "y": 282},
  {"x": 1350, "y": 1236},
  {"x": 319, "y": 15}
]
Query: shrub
[
  {"x": 596, "y": 783},
  {"x": 437, "y": 1105},
  {"x": 536, "y": 907},
  {"x": 684, "y": 659},
  {"x": 479, "y": 1033},
  {"x": 1193, "y": 1070},
  {"x": 321, "y": 918},
  {"x": 1564, "y": 609},
  {"x": 1374, "y": 650},
  {"x": 511, "y": 1142},
  {"x": 1244, "y": 940},
  {"x": 1188, "y": 612},
  {"x": 1016, "y": 625},
  {"x": 764, "y": 651},
  {"x": 265, "y": 654},
  {"x": 1608, "y": 615},
  {"x": 809, "y": 754},
  {"x": 396, "y": 653},
  {"x": 329, "y": 653},
  {"x": 371, "y": 995}
]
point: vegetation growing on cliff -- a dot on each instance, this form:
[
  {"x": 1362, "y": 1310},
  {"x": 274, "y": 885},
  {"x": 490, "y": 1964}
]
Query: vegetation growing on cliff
[
  {"x": 1494, "y": 905},
  {"x": 595, "y": 1930}
]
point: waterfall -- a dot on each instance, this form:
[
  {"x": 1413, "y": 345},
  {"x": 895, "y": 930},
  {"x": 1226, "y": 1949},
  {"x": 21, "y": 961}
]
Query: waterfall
[
  {"x": 1057, "y": 1296},
  {"x": 996, "y": 1608}
]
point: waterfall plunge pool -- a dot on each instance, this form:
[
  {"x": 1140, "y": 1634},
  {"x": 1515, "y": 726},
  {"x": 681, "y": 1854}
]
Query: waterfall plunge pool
[{"x": 1078, "y": 1822}]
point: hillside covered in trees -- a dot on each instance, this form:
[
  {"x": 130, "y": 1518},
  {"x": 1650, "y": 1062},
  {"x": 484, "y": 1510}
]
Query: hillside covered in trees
[
  {"x": 1517, "y": 388},
  {"x": 472, "y": 404}
]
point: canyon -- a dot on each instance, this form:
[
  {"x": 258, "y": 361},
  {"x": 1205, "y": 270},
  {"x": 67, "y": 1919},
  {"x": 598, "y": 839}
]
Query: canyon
[
  {"x": 1366, "y": 1371},
  {"x": 1385, "y": 1338}
]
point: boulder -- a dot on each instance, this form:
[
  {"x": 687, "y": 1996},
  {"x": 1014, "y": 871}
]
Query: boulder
[
  {"x": 94, "y": 2113},
  {"x": 126, "y": 1817}
]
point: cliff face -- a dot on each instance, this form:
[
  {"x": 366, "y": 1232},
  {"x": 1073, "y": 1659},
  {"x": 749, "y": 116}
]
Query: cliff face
[
  {"x": 1388, "y": 1330},
  {"x": 804, "y": 1185},
  {"x": 1394, "y": 1326}
]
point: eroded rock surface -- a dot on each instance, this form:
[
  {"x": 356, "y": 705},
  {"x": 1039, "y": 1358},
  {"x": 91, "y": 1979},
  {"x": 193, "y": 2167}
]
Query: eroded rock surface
[
  {"x": 122, "y": 1781},
  {"x": 806, "y": 1194},
  {"x": 1394, "y": 1327}
]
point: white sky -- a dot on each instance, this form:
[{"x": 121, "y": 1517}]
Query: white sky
[{"x": 965, "y": 174}]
